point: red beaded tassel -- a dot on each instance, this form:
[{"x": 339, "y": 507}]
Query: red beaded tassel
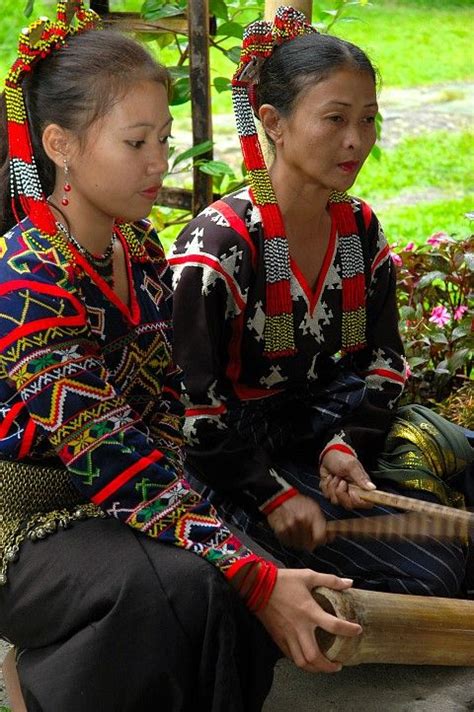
[{"x": 66, "y": 186}]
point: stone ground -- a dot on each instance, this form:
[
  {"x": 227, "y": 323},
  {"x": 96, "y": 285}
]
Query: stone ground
[{"x": 371, "y": 688}]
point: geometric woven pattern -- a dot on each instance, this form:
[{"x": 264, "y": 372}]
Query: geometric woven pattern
[
  {"x": 101, "y": 396},
  {"x": 345, "y": 327}
]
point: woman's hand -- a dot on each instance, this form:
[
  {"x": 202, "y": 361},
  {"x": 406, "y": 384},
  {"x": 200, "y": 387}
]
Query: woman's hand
[
  {"x": 337, "y": 471},
  {"x": 298, "y": 523},
  {"x": 292, "y": 615}
]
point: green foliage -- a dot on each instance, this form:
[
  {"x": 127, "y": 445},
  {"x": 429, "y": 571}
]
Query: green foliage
[
  {"x": 414, "y": 43},
  {"x": 410, "y": 223},
  {"x": 435, "y": 286},
  {"x": 421, "y": 186},
  {"x": 438, "y": 159}
]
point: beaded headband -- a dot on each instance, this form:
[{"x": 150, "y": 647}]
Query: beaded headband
[
  {"x": 37, "y": 41},
  {"x": 260, "y": 39}
]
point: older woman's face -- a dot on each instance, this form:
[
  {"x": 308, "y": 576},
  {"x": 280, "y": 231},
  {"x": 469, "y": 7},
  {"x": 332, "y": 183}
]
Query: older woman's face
[{"x": 331, "y": 130}]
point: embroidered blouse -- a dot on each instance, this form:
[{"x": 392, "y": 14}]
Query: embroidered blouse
[
  {"x": 90, "y": 382},
  {"x": 219, "y": 315}
]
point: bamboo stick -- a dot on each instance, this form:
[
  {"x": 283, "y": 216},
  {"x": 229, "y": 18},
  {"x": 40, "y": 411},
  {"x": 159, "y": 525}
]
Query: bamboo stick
[
  {"x": 416, "y": 525},
  {"x": 398, "y": 629}
]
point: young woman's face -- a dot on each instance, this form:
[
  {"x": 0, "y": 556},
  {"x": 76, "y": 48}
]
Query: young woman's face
[
  {"x": 331, "y": 130},
  {"x": 118, "y": 170}
]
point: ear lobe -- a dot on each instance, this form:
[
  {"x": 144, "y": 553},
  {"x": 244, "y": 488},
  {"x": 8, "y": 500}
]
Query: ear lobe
[
  {"x": 56, "y": 143},
  {"x": 271, "y": 122}
]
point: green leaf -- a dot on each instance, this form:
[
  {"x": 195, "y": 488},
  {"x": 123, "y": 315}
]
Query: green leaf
[
  {"x": 178, "y": 72},
  {"x": 222, "y": 84},
  {"x": 29, "y": 7},
  {"x": 376, "y": 152},
  {"x": 415, "y": 361},
  {"x": 219, "y": 9},
  {"x": 407, "y": 312},
  {"x": 429, "y": 278},
  {"x": 458, "y": 359},
  {"x": 192, "y": 152},
  {"x": 216, "y": 168},
  {"x": 155, "y": 10},
  {"x": 181, "y": 91},
  {"x": 439, "y": 338},
  {"x": 469, "y": 259},
  {"x": 164, "y": 39},
  {"x": 230, "y": 29},
  {"x": 461, "y": 330},
  {"x": 233, "y": 54}
]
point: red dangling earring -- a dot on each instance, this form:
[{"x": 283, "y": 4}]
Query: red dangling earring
[{"x": 66, "y": 186}]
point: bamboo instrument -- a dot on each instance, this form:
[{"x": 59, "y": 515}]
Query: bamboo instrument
[
  {"x": 398, "y": 629},
  {"x": 415, "y": 525},
  {"x": 425, "y": 519}
]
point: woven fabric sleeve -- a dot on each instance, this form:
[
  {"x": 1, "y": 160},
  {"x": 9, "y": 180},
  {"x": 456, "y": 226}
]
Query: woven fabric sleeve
[
  {"x": 50, "y": 358},
  {"x": 212, "y": 263},
  {"x": 382, "y": 363}
]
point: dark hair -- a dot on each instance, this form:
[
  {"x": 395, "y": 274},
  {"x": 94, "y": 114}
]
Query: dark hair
[
  {"x": 296, "y": 65},
  {"x": 73, "y": 87}
]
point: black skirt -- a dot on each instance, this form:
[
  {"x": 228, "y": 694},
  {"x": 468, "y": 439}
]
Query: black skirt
[{"x": 107, "y": 620}]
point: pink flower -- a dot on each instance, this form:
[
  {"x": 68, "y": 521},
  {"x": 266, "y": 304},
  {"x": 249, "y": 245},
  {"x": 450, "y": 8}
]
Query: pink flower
[
  {"x": 397, "y": 260},
  {"x": 410, "y": 247},
  {"x": 439, "y": 316},
  {"x": 436, "y": 239},
  {"x": 459, "y": 312}
]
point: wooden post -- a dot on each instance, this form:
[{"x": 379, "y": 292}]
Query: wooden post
[
  {"x": 305, "y": 6},
  {"x": 198, "y": 21}
]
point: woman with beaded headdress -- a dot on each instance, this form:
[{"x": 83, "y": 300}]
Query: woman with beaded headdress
[
  {"x": 146, "y": 598},
  {"x": 291, "y": 354}
]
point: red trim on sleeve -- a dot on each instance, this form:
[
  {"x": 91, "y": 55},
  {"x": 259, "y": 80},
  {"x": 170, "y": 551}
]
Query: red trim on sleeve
[
  {"x": 378, "y": 259},
  {"x": 27, "y": 440},
  {"x": 10, "y": 417},
  {"x": 385, "y": 373},
  {"x": 206, "y": 410},
  {"x": 279, "y": 499},
  {"x": 126, "y": 475},
  {"x": 237, "y": 565},
  {"x": 338, "y": 446}
]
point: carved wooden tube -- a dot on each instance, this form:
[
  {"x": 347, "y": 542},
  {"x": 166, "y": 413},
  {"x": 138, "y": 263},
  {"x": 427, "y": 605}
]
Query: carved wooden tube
[{"x": 408, "y": 630}]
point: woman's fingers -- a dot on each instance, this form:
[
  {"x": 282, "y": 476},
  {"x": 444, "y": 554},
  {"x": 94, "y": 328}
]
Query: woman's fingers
[{"x": 313, "y": 659}]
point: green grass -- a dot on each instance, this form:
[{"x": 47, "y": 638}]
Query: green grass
[
  {"x": 415, "y": 223},
  {"x": 424, "y": 185},
  {"x": 438, "y": 159},
  {"x": 415, "y": 45}
]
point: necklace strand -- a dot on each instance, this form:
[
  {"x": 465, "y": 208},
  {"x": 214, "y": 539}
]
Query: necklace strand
[{"x": 102, "y": 264}]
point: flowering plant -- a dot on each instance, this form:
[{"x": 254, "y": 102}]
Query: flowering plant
[{"x": 435, "y": 298}]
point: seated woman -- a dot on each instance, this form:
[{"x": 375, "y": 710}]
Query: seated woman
[
  {"x": 286, "y": 322},
  {"x": 143, "y": 597}
]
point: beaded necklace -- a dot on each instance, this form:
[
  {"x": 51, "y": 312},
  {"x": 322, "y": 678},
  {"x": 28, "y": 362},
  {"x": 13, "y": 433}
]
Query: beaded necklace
[{"x": 102, "y": 264}]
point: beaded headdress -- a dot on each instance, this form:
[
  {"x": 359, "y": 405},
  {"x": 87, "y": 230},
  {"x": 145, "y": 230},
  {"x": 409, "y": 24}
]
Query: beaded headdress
[
  {"x": 259, "y": 40},
  {"x": 36, "y": 42}
]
